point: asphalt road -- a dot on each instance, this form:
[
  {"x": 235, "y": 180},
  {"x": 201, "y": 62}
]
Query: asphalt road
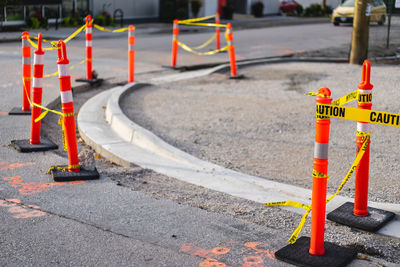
[{"x": 101, "y": 223}]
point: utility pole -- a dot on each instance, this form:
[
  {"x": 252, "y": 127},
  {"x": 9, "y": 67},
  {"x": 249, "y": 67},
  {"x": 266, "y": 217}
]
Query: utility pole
[{"x": 359, "y": 44}]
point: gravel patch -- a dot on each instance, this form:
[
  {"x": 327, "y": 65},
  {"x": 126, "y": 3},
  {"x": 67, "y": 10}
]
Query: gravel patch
[{"x": 264, "y": 125}]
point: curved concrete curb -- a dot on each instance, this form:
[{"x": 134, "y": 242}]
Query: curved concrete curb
[{"x": 117, "y": 138}]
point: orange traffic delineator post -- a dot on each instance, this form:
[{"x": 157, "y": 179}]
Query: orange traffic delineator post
[
  {"x": 26, "y": 78},
  {"x": 360, "y": 215},
  {"x": 362, "y": 170},
  {"x": 231, "y": 51},
  {"x": 175, "y": 33},
  {"x": 91, "y": 75},
  {"x": 314, "y": 251},
  {"x": 35, "y": 144},
  {"x": 74, "y": 170},
  {"x": 217, "y": 32},
  {"x": 131, "y": 54}
]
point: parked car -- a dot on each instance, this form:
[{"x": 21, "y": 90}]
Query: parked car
[
  {"x": 344, "y": 13},
  {"x": 288, "y": 6}
]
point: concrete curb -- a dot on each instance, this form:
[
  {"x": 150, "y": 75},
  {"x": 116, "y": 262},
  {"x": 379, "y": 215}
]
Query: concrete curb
[{"x": 117, "y": 138}]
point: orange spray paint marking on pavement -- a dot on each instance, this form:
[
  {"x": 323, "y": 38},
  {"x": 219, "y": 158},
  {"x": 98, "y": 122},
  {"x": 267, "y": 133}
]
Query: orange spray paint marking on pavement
[
  {"x": 259, "y": 249},
  {"x": 34, "y": 187},
  {"x": 255, "y": 254},
  {"x": 20, "y": 211},
  {"x": 4, "y": 165},
  {"x": 3, "y": 113}
]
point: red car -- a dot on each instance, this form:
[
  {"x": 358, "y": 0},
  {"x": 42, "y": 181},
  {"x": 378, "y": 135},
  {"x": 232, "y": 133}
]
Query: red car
[{"x": 288, "y": 6}]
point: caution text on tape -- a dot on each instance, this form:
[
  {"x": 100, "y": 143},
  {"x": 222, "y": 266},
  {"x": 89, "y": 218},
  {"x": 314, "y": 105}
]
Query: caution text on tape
[{"x": 356, "y": 114}]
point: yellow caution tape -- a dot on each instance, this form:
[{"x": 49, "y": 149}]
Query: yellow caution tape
[
  {"x": 54, "y": 43},
  {"x": 206, "y": 43},
  {"x": 197, "y": 19},
  {"x": 108, "y": 30},
  {"x": 64, "y": 139},
  {"x": 315, "y": 94},
  {"x": 295, "y": 204},
  {"x": 187, "y": 48},
  {"x": 346, "y": 99},
  {"x": 357, "y": 114},
  {"x": 72, "y": 67},
  {"x": 63, "y": 169},
  {"x": 287, "y": 203},
  {"x": 365, "y": 98},
  {"x": 318, "y": 174},
  {"x": 297, "y": 231},
  {"x": 204, "y": 24},
  {"x": 352, "y": 167}
]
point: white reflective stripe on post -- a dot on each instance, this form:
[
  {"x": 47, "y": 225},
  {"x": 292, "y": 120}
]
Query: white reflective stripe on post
[
  {"x": 131, "y": 47},
  {"x": 25, "y": 43},
  {"x": 66, "y": 96},
  {"x": 88, "y": 43},
  {"x": 63, "y": 70},
  {"x": 363, "y": 127},
  {"x": 88, "y": 29},
  {"x": 230, "y": 43},
  {"x": 37, "y": 82},
  {"x": 364, "y": 91},
  {"x": 38, "y": 59},
  {"x": 321, "y": 150},
  {"x": 26, "y": 60}
]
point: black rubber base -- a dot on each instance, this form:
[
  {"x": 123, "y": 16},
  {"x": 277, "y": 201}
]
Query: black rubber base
[
  {"x": 298, "y": 254},
  {"x": 237, "y": 77},
  {"x": 66, "y": 176},
  {"x": 371, "y": 223},
  {"x": 19, "y": 111},
  {"x": 91, "y": 81},
  {"x": 25, "y": 147}
]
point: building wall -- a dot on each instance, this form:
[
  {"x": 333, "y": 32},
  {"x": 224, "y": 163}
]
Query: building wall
[
  {"x": 208, "y": 8},
  {"x": 306, "y": 3},
  {"x": 133, "y": 9},
  {"x": 270, "y": 6}
]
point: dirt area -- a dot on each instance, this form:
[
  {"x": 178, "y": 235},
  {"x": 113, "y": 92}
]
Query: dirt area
[{"x": 264, "y": 125}]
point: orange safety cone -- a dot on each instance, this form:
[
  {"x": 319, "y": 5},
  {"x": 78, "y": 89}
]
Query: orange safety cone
[
  {"x": 35, "y": 144},
  {"x": 26, "y": 78},
  {"x": 217, "y": 32},
  {"x": 91, "y": 75},
  {"x": 311, "y": 251},
  {"x": 175, "y": 33},
  {"x": 231, "y": 50},
  {"x": 75, "y": 172},
  {"x": 358, "y": 215},
  {"x": 131, "y": 54}
]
